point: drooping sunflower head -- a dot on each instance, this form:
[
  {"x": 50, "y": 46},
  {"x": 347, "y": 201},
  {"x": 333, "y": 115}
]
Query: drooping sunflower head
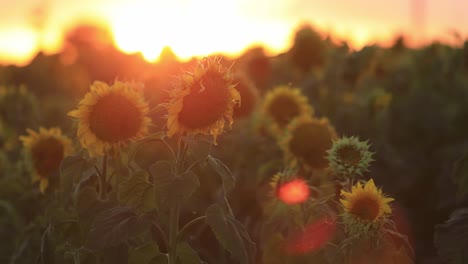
[
  {"x": 282, "y": 104},
  {"x": 46, "y": 150},
  {"x": 249, "y": 96},
  {"x": 110, "y": 116},
  {"x": 349, "y": 157},
  {"x": 203, "y": 101},
  {"x": 365, "y": 204},
  {"x": 307, "y": 141}
]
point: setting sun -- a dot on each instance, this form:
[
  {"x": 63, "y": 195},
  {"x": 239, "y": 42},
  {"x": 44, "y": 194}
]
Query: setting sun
[
  {"x": 17, "y": 45},
  {"x": 190, "y": 28},
  {"x": 199, "y": 28}
]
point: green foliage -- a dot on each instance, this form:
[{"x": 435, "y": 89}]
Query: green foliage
[
  {"x": 227, "y": 233},
  {"x": 451, "y": 238},
  {"x": 223, "y": 171},
  {"x": 460, "y": 175},
  {"x": 308, "y": 50},
  {"x": 143, "y": 254},
  {"x": 138, "y": 192},
  {"x": 187, "y": 255},
  {"x": 114, "y": 226},
  {"x": 88, "y": 205},
  {"x": 74, "y": 172},
  {"x": 411, "y": 103}
]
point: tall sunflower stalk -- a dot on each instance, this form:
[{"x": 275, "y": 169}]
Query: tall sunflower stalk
[
  {"x": 112, "y": 116},
  {"x": 202, "y": 102},
  {"x": 109, "y": 117}
]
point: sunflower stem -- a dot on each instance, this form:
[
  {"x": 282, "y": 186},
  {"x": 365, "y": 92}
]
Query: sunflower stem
[
  {"x": 173, "y": 232},
  {"x": 175, "y": 209},
  {"x": 102, "y": 178}
]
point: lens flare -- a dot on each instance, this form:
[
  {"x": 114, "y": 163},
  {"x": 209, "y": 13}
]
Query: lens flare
[
  {"x": 314, "y": 236},
  {"x": 293, "y": 192}
]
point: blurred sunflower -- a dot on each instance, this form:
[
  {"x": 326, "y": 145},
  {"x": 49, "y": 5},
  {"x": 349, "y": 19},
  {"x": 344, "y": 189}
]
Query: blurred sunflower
[
  {"x": 110, "y": 116},
  {"x": 249, "y": 95},
  {"x": 46, "y": 150},
  {"x": 366, "y": 204},
  {"x": 382, "y": 101},
  {"x": 203, "y": 101},
  {"x": 348, "y": 156},
  {"x": 307, "y": 141},
  {"x": 283, "y": 104}
]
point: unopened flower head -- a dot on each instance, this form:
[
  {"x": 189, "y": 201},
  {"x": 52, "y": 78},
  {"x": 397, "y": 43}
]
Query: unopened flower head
[{"x": 349, "y": 157}]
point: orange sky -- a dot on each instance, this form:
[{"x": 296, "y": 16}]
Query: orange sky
[{"x": 201, "y": 27}]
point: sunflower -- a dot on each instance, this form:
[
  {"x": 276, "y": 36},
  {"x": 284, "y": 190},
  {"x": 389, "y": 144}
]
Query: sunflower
[
  {"x": 349, "y": 156},
  {"x": 307, "y": 141},
  {"x": 366, "y": 204},
  {"x": 249, "y": 95},
  {"x": 203, "y": 101},
  {"x": 282, "y": 105},
  {"x": 110, "y": 116},
  {"x": 46, "y": 150},
  {"x": 382, "y": 101}
]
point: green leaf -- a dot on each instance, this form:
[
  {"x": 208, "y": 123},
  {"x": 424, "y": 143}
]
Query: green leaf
[
  {"x": 147, "y": 148},
  {"x": 159, "y": 259},
  {"x": 187, "y": 255},
  {"x": 73, "y": 171},
  {"x": 224, "y": 172},
  {"x": 198, "y": 149},
  {"x": 460, "y": 174},
  {"x": 46, "y": 254},
  {"x": 163, "y": 175},
  {"x": 169, "y": 187},
  {"x": 115, "y": 255},
  {"x": 184, "y": 186},
  {"x": 88, "y": 206},
  {"x": 226, "y": 233},
  {"x": 249, "y": 244},
  {"x": 143, "y": 254},
  {"x": 138, "y": 192},
  {"x": 451, "y": 238},
  {"x": 120, "y": 166},
  {"x": 114, "y": 226}
]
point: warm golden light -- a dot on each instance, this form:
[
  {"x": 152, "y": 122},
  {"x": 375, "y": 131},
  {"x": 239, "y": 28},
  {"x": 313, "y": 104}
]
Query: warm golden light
[
  {"x": 18, "y": 45},
  {"x": 191, "y": 28},
  {"x": 294, "y": 192},
  {"x": 203, "y": 27}
]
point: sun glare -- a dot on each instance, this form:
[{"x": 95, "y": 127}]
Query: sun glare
[
  {"x": 18, "y": 46},
  {"x": 190, "y": 28}
]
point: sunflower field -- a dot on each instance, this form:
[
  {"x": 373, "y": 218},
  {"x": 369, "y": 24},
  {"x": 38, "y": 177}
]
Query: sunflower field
[{"x": 321, "y": 154}]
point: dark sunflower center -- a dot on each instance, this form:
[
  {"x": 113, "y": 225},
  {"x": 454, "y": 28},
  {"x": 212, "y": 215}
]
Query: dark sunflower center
[
  {"x": 47, "y": 155},
  {"x": 365, "y": 208},
  {"x": 283, "y": 109},
  {"x": 310, "y": 142},
  {"x": 349, "y": 155},
  {"x": 207, "y": 101},
  {"x": 115, "y": 118}
]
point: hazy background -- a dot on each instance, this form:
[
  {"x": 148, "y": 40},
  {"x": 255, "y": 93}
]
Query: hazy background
[{"x": 201, "y": 27}]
